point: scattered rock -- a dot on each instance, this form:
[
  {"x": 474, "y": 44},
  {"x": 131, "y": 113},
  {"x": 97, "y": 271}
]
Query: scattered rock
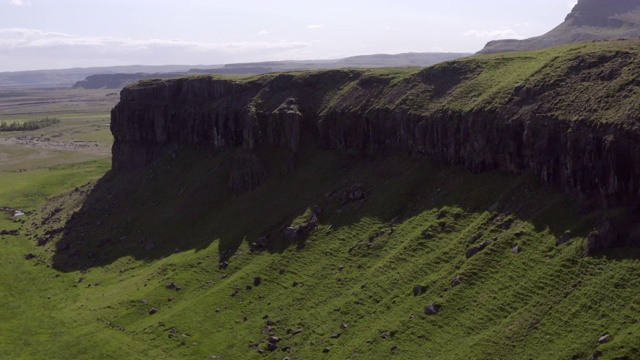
[
  {"x": 153, "y": 311},
  {"x": 457, "y": 281},
  {"x": 272, "y": 346},
  {"x": 516, "y": 249},
  {"x": 432, "y": 309},
  {"x": 564, "y": 238},
  {"x": 144, "y": 301},
  {"x": 475, "y": 237},
  {"x": 29, "y": 256},
  {"x": 604, "y": 339},
  {"x": 261, "y": 244},
  {"x": 335, "y": 335},
  {"x": 394, "y": 348},
  {"x": 223, "y": 265},
  {"x": 273, "y": 339},
  {"x": 282, "y": 271},
  {"x": 326, "y": 350},
  {"x": 507, "y": 224},
  {"x": 173, "y": 286},
  {"x": 10, "y": 232},
  {"x": 298, "y": 331},
  {"x": 257, "y": 281},
  {"x": 474, "y": 250},
  {"x": 344, "y": 326},
  {"x": 471, "y": 252},
  {"x": 341, "y": 267},
  {"x": 384, "y": 335},
  {"x": 295, "y": 283},
  {"x": 270, "y": 322},
  {"x": 416, "y": 290}
]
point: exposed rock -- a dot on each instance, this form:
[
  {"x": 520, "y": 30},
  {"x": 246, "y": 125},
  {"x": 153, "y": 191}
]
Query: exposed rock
[
  {"x": 173, "y": 286},
  {"x": 247, "y": 172},
  {"x": 326, "y": 350},
  {"x": 589, "y": 20},
  {"x": 416, "y": 290},
  {"x": 273, "y": 339},
  {"x": 10, "y": 232},
  {"x": 29, "y": 256},
  {"x": 457, "y": 281},
  {"x": 153, "y": 311},
  {"x": 564, "y": 238},
  {"x": 272, "y": 346},
  {"x": 475, "y": 237},
  {"x": 394, "y": 348},
  {"x": 384, "y": 335},
  {"x": 604, "y": 339},
  {"x": 471, "y": 252},
  {"x": 344, "y": 326},
  {"x": 557, "y": 143},
  {"x": 516, "y": 249},
  {"x": 432, "y": 309},
  {"x": 335, "y": 336},
  {"x": 257, "y": 281}
]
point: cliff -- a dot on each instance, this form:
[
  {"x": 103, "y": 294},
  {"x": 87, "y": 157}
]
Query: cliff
[
  {"x": 590, "y": 20},
  {"x": 568, "y": 116}
]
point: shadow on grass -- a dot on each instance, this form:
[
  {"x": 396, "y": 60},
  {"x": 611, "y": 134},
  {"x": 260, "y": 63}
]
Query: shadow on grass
[{"x": 185, "y": 204}]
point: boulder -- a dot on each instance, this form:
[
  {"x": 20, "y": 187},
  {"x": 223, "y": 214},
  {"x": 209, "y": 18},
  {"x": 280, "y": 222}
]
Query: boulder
[
  {"x": 432, "y": 309},
  {"x": 604, "y": 339},
  {"x": 416, "y": 290}
]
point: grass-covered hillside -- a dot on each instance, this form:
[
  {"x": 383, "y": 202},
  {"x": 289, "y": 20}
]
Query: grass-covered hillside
[{"x": 334, "y": 255}]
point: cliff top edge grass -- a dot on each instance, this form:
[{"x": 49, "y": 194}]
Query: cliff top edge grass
[{"x": 593, "y": 81}]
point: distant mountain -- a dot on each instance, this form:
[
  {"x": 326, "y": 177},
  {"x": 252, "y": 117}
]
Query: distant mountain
[
  {"x": 588, "y": 21},
  {"x": 119, "y": 76},
  {"x": 361, "y": 61},
  {"x": 67, "y": 77}
]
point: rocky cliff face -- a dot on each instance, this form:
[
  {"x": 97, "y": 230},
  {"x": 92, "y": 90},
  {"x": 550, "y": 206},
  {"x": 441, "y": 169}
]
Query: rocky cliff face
[
  {"x": 541, "y": 125},
  {"x": 588, "y": 21}
]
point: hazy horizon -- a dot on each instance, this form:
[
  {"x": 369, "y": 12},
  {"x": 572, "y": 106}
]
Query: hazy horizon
[{"x": 41, "y": 34}]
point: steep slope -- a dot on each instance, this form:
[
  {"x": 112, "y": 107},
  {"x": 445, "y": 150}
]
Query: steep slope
[{"x": 590, "y": 20}]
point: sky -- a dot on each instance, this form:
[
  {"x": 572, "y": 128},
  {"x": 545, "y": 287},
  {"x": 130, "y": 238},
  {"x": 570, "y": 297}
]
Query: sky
[{"x": 58, "y": 34}]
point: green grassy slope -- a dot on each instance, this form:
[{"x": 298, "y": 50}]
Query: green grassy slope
[{"x": 546, "y": 302}]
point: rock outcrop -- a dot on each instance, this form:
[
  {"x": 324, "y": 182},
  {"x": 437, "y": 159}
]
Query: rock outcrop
[
  {"x": 579, "y": 148},
  {"x": 588, "y": 21}
]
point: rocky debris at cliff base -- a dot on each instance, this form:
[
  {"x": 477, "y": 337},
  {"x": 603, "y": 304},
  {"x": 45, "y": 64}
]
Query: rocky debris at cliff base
[{"x": 564, "y": 238}]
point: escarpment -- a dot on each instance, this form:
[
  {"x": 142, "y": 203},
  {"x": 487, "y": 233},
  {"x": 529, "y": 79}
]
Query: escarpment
[{"x": 570, "y": 118}]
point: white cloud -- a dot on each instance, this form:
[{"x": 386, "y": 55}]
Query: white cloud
[
  {"x": 18, "y": 2},
  {"x": 494, "y": 34},
  {"x": 33, "y": 38},
  {"x": 314, "y": 26},
  {"x": 572, "y": 4},
  {"x": 24, "y": 49},
  {"x": 263, "y": 32}
]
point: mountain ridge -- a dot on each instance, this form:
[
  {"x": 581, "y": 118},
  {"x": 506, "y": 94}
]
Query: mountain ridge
[{"x": 589, "y": 20}]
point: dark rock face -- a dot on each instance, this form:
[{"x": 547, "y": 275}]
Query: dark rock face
[
  {"x": 588, "y": 21},
  {"x": 597, "y": 161},
  {"x": 247, "y": 172}
]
